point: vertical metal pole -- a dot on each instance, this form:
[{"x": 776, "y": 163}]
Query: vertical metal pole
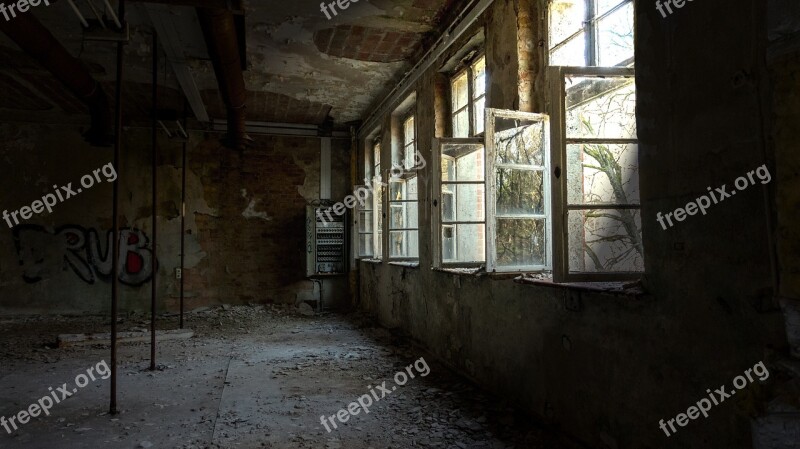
[
  {"x": 115, "y": 219},
  {"x": 183, "y": 209},
  {"x": 153, "y": 283}
]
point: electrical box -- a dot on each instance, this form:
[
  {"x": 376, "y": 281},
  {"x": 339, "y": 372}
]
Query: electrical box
[{"x": 326, "y": 242}]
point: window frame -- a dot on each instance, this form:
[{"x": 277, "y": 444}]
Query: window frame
[
  {"x": 591, "y": 49},
  {"x": 408, "y": 173},
  {"x": 376, "y": 178},
  {"x": 468, "y": 68},
  {"x": 491, "y": 192},
  {"x": 558, "y": 154},
  {"x": 359, "y": 210},
  {"x": 372, "y": 148},
  {"x": 437, "y": 209}
]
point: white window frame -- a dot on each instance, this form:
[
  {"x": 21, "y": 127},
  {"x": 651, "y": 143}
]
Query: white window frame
[
  {"x": 368, "y": 206},
  {"x": 409, "y": 172},
  {"x": 491, "y": 191},
  {"x": 556, "y": 76},
  {"x": 437, "y": 223},
  {"x": 376, "y": 149}
]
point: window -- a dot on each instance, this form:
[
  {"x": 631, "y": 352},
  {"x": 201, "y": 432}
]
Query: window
[
  {"x": 492, "y": 196},
  {"x": 591, "y": 33},
  {"x": 468, "y": 92},
  {"x": 519, "y": 195},
  {"x": 366, "y": 214},
  {"x": 561, "y": 189},
  {"x": 596, "y": 149},
  {"x": 377, "y": 203},
  {"x": 403, "y": 206},
  {"x": 460, "y": 212}
]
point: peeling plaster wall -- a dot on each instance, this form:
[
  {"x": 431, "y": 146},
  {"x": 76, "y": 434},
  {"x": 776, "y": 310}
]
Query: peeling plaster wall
[
  {"x": 607, "y": 368},
  {"x": 245, "y": 221}
]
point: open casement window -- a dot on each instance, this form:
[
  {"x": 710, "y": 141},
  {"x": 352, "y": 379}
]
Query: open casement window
[
  {"x": 518, "y": 193},
  {"x": 403, "y": 212},
  {"x": 459, "y": 206},
  {"x": 376, "y": 203},
  {"x": 364, "y": 226},
  {"x": 591, "y": 33},
  {"x": 403, "y": 218},
  {"x": 596, "y": 164}
]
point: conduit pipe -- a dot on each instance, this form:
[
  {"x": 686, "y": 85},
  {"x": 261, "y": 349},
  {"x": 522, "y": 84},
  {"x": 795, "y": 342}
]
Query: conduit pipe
[
  {"x": 219, "y": 30},
  {"x": 78, "y": 13},
  {"x": 36, "y": 40}
]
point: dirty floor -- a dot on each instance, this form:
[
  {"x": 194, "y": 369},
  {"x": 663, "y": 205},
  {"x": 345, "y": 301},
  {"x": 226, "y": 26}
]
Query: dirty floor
[{"x": 251, "y": 377}]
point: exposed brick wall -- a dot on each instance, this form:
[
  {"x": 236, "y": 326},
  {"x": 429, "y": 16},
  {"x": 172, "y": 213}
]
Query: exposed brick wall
[{"x": 255, "y": 259}]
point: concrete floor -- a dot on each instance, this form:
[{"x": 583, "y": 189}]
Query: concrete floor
[{"x": 251, "y": 377}]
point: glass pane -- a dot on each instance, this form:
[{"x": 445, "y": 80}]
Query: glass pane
[
  {"x": 410, "y": 161},
  {"x": 460, "y": 91},
  {"x": 480, "y": 117},
  {"x": 463, "y": 202},
  {"x": 479, "y": 77},
  {"x": 365, "y": 245},
  {"x": 604, "y": 6},
  {"x": 461, "y": 123},
  {"x": 408, "y": 131},
  {"x": 519, "y": 192},
  {"x": 365, "y": 221},
  {"x": 566, "y": 18},
  {"x": 448, "y": 203},
  {"x": 601, "y": 107},
  {"x": 519, "y": 141},
  {"x": 376, "y": 157},
  {"x": 603, "y": 173},
  {"x": 462, "y": 162},
  {"x": 605, "y": 240},
  {"x": 573, "y": 53},
  {"x": 377, "y": 215},
  {"x": 463, "y": 243},
  {"x": 403, "y": 190},
  {"x": 520, "y": 242},
  {"x": 403, "y": 215},
  {"x": 615, "y": 40},
  {"x": 404, "y": 244}
]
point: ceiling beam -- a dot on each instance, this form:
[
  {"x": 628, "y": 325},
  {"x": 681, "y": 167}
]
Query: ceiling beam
[
  {"x": 171, "y": 43},
  {"x": 234, "y": 6}
]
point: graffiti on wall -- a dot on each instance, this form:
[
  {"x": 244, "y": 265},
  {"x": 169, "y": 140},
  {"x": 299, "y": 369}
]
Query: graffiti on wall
[{"x": 43, "y": 253}]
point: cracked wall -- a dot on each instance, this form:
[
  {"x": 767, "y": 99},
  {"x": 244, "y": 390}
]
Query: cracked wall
[{"x": 245, "y": 221}]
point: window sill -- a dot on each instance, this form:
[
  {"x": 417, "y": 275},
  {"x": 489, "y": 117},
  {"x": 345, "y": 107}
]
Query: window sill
[
  {"x": 630, "y": 288},
  {"x": 405, "y": 264},
  {"x": 376, "y": 261},
  {"x": 476, "y": 272}
]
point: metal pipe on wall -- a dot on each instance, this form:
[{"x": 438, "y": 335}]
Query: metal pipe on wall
[
  {"x": 115, "y": 219},
  {"x": 153, "y": 170},
  {"x": 183, "y": 209}
]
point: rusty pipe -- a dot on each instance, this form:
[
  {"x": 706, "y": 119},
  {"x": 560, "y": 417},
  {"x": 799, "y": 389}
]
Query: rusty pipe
[
  {"x": 219, "y": 30},
  {"x": 36, "y": 40}
]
